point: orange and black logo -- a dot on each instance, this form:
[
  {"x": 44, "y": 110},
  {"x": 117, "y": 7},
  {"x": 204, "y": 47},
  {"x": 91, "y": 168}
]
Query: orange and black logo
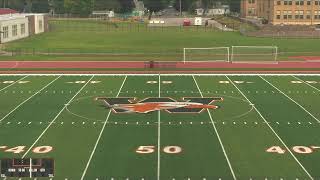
[{"x": 132, "y": 105}]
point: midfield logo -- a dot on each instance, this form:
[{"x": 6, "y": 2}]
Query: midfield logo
[{"x": 132, "y": 105}]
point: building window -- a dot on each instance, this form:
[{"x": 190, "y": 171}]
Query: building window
[
  {"x": 299, "y": 2},
  {"x": 309, "y": 2},
  {"x": 252, "y": 11},
  {"x": 308, "y": 14},
  {"x": 252, "y": 1},
  {"x": 316, "y": 2},
  {"x": 14, "y": 30},
  {"x": 301, "y": 16},
  {"x": 316, "y": 14},
  {"x": 23, "y": 29},
  {"x": 5, "y": 30},
  {"x": 285, "y": 15},
  {"x": 40, "y": 25},
  {"x": 278, "y": 14},
  {"x": 289, "y": 14},
  {"x": 296, "y": 15},
  {"x": 278, "y": 2},
  {"x": 287, "y": 2}
]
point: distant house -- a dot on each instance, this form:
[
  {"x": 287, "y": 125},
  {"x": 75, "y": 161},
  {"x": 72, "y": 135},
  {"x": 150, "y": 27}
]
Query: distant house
[
  {"x": 216, "y": 10},
  {"x": 17, "y": 26},
  {"x": 13, "y": 28},
  {"x": 103, "y": 14},
  {"x": 5, "y": 11}
]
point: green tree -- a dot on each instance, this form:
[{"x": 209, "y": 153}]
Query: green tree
[
  {"x": 107, "y": 5},
  {"x": 186, "y": 5},
  {"x": 126, "y": 5},
  {"x": 156, "y": 5},
  {"x": 80, "y": 7}
]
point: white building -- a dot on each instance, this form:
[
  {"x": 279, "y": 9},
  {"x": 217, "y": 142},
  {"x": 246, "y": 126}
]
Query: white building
[
  {"x": 37, "y": 23},
  {"x": 13, "y": 28},
  {"x": 18, "y": 26}
]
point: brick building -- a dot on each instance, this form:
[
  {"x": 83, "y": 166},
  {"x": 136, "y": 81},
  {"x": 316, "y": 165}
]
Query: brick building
[{"x": 303, "y": 12}]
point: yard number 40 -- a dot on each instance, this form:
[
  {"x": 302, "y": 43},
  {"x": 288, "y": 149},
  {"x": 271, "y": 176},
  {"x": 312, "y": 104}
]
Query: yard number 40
[
  {"x": 296, "y": 149},
  {"x": 151, "y": 149}
]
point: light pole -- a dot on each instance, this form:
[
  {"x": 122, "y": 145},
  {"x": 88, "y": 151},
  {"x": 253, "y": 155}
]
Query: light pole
[{"x": 180, "y": 7}]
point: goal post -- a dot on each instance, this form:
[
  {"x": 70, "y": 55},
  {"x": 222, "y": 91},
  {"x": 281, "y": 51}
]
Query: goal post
[
  {"x": 254, "y": 54},
  {"x": 211, "y": 54}
]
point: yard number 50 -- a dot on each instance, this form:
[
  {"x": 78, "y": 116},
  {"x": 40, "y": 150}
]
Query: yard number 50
[{"x": 151, "y": 149}]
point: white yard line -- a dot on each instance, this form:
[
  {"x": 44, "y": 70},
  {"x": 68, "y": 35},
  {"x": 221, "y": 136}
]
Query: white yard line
[
  {"x": 159, "y": 132},
  {"x": 291, "y": 99},
  {"x": 306, "y": 83},
  {"x": 99, "y": 137},
  {"x": 28, "y": 99},
  {"x": 217, "y": 133},
  {"x": 13, "y": 83},
  {"x": 274, "y": 132},
  {"x": 64, "y": 107}
]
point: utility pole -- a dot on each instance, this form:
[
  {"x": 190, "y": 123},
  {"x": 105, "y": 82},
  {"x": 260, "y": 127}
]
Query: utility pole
[
  {"x": 180, "y": 7},
  {"x": 4, "y": 3}
]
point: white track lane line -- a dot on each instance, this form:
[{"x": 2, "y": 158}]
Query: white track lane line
[
  {"x": 159, "y": 132},
  {"x": 216, "y": 131},
  {"x": 28, "y": 99},
  {"x": 291, "y": 99},
  {"x": 99, "y": 137},
  {"x": 274, "y": 132},
  {"x": 13, "y": 83},
  {"x": 64, "y": 107},
  {"x": 306, "y": 83}
]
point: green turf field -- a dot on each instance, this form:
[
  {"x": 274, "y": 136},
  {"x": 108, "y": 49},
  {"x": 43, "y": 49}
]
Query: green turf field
[
  {"x": 99, "y": 40},
  {"x": 267, "y": 127}
]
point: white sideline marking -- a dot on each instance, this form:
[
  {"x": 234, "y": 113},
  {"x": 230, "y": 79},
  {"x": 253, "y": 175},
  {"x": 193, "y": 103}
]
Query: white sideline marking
[
  {"x": 159, "y": 132},
  {"x": 13, "y": 83},
  {"x": 216, "y": 131},
  {"x": 36, "y": 141},
  {"x": 29, "y": 98},
  {"x": 264, "y": 119},
  {"x": 99, "y": 137},
  {"x": 291, "y": 99}
]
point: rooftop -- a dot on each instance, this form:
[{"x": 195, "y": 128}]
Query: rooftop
[{"x": 4, "y": 11}]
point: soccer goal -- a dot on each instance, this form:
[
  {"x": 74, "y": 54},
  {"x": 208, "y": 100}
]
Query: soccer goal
[
  {"x": 263, "y": 54},
  {"x": 212, "y": 54}
]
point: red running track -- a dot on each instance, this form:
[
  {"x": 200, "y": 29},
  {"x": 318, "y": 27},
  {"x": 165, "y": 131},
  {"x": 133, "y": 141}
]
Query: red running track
[{"x": 130, "y": 65}]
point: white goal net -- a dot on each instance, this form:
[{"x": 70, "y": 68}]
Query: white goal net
[
  {"x": 211, "y": 54},
  {"x": 254, "y": 54}
]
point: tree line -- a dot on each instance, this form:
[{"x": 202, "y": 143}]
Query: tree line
[{"x": 85, "y": 7}]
